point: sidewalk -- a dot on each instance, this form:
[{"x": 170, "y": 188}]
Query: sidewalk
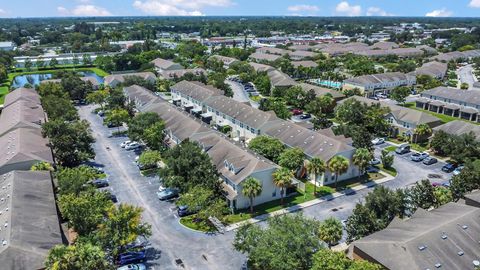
[{"x": 301, "y": 206}]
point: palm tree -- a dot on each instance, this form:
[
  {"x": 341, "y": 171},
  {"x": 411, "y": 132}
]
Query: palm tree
[
  {"x": 251, "y": 188},
  {"x": 422, "y": 129},
  {"x": 338, "y": 165},
  {"x": 315, "y": 166},
  {"x": 282, "y": 178},
  {"x": 361, "y": 158}
]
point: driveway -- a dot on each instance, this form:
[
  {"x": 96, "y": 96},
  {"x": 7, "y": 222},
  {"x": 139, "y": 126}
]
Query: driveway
[
  {"x": 169, "y": 241},
  {"x": 239, "y": 93},
  {"x": 465, "y": 75}
]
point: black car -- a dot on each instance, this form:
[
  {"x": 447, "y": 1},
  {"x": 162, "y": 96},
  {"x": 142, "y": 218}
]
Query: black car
[
  {"x": 111, "y": 196},
  {"x": 430, "y": 161},
  {"x": 305, "y": 116},
  {"x": 449, "y": 167},
  {"x": 100, "y": 183},
  {"x": 183, "y": 211}
]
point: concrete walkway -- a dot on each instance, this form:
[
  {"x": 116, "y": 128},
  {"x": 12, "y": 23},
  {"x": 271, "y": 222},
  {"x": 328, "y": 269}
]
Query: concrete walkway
[{"x": 313, "y": 202}]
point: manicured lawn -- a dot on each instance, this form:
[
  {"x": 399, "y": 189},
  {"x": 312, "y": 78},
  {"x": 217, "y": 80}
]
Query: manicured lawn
[
  {"x": 391, "y": 171},
  {"x": 203, "y": 226},
  {"x": 3, "y": 92},
  {"x": 390, "y": 148},
  {"x": 300, "y": 197},
  {"x": 420, "y": 147},
  {"x": 444, "y": 118}
]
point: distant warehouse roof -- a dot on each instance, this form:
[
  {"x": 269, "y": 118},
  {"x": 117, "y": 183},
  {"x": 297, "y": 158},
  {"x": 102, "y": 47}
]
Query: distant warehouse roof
[{"x": 30, "y": 225}]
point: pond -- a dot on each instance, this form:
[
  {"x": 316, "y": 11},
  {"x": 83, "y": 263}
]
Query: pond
[{"x": 35, "y": 79}]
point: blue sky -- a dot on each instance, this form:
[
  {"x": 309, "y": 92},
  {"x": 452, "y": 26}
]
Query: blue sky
[{"x": 54, "y": 8}]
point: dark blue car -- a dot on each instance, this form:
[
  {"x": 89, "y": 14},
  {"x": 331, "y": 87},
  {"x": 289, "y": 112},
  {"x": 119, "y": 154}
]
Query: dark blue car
[
  {"x": 449, "y": 167},
  {"x": 131, "y": 257}
]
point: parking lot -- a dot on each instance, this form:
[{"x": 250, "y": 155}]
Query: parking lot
[{"x": 172, "y": 245}]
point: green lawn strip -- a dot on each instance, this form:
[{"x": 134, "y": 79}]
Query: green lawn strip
[
  {"x": 444, "y": 118},
  {"x": 203, "y": 226},
  {"x": 390, "y": 148},
  {"x": 300, "y": 197},
  {"x": 3, "y": 93},
  {"x": 390, "y": 171}
]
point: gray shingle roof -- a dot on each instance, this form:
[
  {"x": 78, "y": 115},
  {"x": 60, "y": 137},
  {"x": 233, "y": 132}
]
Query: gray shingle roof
[
  {"x": 240, "y": 111},
  {"x": 23, "y": 147},
  {"x": 312, "y": 143},
  {"x": 307, "y": 63},
  {"x": 28, "y": 94},
  {"x": 261, "y": 67},
  {"x": 224, "y": 59},
  {"x": 120, "y": 78},
  {"x": 433, "y": 69},
  {"x": 467, "y": 96},
  {"x": 196, "y": 90},
  {"x": 29, "y": 220},
  {"x": 427, "y": 239},
  {"x": 21, "y": 113},
  {"x": 264, "y": 57},
  {"x": 378, "y": 78},
  {"x": 172, "y": 74},
  {"x": 280, "y": 79},
  {"x": 456, "y": 55},
  {"x": 140, "y": 95},
  {"x": 272, "y": 50},
  {"x": 165, "y": 64},
  {"x": 243, "y": 161},
  {"x": 459, "y": 127}
]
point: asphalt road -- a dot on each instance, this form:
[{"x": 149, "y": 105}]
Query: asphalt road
[
  {"x": 169, "y": 241},
  {"x": 239, "y": 94}
]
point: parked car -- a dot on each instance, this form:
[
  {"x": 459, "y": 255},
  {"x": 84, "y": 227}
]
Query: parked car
[
  {"x": 305, "y": 116},
  {"x": 403, "y": 149},
  {"x": 101, "y": 113},
  {"x": 449, "y": 167},
  {"x": 131, "y": 257},
  {"x": 372, "y": 169},
  {"x": 100, "y": 183},
  {"x": 125, "y": 143},
  {"x": 458, "y": 170},
  {"x": 297, "y": 111},
  {"x": 138, "y": 266},
  {"x": 111, "y": 196},
  {"x": 139, "y": 244},
  {"x": 378, "y": 141},
  {"x": 133, "y": 146},
  {"x": 430, "y": 161},
  {"x": 161, "y": 188},
  {"x": 417, "y": 157},
  {"x": 168, "y": 193},
  {"x": 112, "y": 125},
  {"x": 374, "y": 161},
  {"x": 183, "y": 211}
]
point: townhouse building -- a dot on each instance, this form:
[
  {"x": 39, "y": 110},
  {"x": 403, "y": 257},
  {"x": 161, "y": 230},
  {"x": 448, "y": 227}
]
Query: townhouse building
[
  {"x": 434, "y": 69},
  {"x": 464, "y": 104},
  {"x": 117, "y": 79},
  {"x": 369, "y": 85},
  {"x": 227, "y": 61},
  {"x": 161, "y": 65}
]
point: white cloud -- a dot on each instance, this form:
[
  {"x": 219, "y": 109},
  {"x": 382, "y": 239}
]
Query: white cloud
[
  {"x": 376, "y": 11},
  {"x": 344, "y": 8},
  {"x": 299, "y": 8},
  {"x": 178, "y": 7},
  {"x": 439, "y": 13},
  {"x": 474, "y": 4},
  {"x": 2, "y": 12},
  {"x": 84, "y": 10}
]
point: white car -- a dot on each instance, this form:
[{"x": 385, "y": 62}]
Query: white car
[
  {"x": 132, "y": 146},
  {"x": 374, "y": 161},
  {"x": 161, "y": 188},
  {"x": 378, "y": 141},
  {"x": 125, "y": 143},
  {"x": 458, "y": 170}
]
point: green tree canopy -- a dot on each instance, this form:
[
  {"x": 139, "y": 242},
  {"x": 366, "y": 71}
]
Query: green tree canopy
[
  {"x": 80, "y": 256},
  {"x": 330, "y": 231},
  {"x": 291, "y": 158},
  {"x": 266, "y": 146}
]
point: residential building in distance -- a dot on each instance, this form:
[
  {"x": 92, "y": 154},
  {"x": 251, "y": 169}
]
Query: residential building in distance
[
  {"x": 175, "y": 74},
  {"x": 384, "y": 45},
  {"x": 305, "y": 64},
  {"x": 369, "y": 85},
  {"x": 321, "y": 91},
  {"x": 301, "y": 55},
  {"x": 459, "y": 127},
  {"x": 227, "y": 61},
  {"x": 88, "y": 79},
  {"x": 454, "y": 102},
  {"x": 400, "y": 52},
  {"x": 30, "y": 224},
  {"x": 279, "y": 79},
  {"x": 434, "y": 69},
  {"x": 62, "y": 59},
  {"x": 272, "y": 50},
  {"x": 116, "y": 79},
  {"x": 261, "y": 67},
  {"x": 264, "y": 57},
  {"x": 403, "y": 119},
  {"x": 162, "y": 65},
  {"x": 140, "y": 96},
  {"x": 7, "y": 45},
  {"x": 442, "y": 238},
  {"x": 456, "y": 56}
]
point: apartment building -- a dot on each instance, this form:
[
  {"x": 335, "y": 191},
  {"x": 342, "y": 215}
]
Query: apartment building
[
  {"x": 434, "y": 69},
  {"x": 116, "y": 79},
  {"x": 454, "y": 102},
  {"x": 227, "y": 61},
  {"x": 369, "y": 85},
  {"x": 164, "y": 65}
]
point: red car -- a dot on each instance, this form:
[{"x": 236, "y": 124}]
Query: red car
[{"x": 297, "y": 112}]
